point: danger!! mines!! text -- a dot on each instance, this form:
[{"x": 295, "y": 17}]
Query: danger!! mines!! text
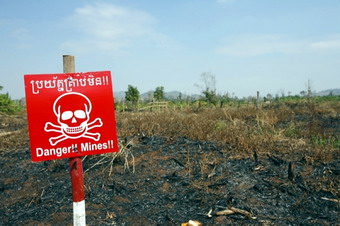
[{"x": 74, "y": 148}]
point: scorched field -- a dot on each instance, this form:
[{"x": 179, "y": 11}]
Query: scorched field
[{"x": 237, "y": 165}]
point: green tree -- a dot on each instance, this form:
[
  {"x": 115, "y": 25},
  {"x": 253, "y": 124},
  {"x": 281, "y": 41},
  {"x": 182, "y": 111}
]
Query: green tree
[
  {"x": 7, "y": 105},
  {"x": 180, "y": 98},
  {"x": 132, "y": 95},
  {"x": 224, "y": 99},
  {"x": 158, "y": 94}
]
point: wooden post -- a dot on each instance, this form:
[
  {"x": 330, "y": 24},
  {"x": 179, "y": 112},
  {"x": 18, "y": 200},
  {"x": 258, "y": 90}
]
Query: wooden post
[
  {"x": 76, "y": 167},
  {"x": 257, "y": 99}
]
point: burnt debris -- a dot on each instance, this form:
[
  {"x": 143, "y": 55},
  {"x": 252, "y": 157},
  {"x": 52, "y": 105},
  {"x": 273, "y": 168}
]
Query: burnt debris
[{"x": 174, "y": 182}]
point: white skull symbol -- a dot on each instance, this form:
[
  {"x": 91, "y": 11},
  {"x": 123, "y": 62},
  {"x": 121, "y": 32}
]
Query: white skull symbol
[{"x": 73, "y": 115}]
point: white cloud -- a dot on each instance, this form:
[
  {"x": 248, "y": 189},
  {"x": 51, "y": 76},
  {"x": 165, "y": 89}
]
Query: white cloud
[
  {"x": 326, "y": 45},
  {"x": 106, "y": 27},
  {"x": 256, "y": 45}
]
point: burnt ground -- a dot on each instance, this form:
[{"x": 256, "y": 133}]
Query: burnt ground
[{"x": 168, "y": 182}]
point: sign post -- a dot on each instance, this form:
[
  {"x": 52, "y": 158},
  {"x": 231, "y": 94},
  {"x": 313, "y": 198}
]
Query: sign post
[
  {"x": 76, "y": 167},
  {"x": 71, "y": 115}
]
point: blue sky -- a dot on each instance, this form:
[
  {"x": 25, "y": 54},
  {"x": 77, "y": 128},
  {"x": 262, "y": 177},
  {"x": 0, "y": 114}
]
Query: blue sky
[{"x": 271, "y": 46}]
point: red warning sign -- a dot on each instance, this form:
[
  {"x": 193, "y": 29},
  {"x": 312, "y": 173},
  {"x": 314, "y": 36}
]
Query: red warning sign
[{"x": 70, "y": 115}]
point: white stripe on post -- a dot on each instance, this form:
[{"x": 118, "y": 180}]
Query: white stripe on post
[{"x": 79, "y": 213}]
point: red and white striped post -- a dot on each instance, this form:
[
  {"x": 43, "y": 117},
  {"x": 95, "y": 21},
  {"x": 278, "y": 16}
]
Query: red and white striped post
[
  {"x": 77, "y": 179},
  {"x": 76, "y": 167}
]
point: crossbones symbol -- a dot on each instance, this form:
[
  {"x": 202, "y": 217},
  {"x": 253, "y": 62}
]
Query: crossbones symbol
[{"x": 73, "y": 114}]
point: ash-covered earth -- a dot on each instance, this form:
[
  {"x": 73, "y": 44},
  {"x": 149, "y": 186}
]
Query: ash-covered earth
[{"x": 161, "y": 181}]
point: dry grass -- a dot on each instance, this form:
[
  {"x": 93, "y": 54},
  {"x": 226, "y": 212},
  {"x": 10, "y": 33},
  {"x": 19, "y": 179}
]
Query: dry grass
[
  {"x": 124, "y": 154},
  {"x": 309, "y": 127},
  {"x": 282, "y": 128}
]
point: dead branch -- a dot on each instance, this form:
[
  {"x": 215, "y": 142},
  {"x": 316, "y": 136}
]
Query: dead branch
[
  {"x": 233, "y": 210},
  {"x": 331, "y": 200}
]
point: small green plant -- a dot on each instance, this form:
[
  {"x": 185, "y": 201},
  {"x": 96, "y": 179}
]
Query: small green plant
[
  {"x": 7, "y": 105},
  {"x": 220, "y": 125},
  {"x": 292, "y": 131},
  {"x": 324, "y": 142}
]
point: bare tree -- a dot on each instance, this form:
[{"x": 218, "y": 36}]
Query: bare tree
[
  {"x": 208, "y": 87},
  {"x": 309, "y": 88}
]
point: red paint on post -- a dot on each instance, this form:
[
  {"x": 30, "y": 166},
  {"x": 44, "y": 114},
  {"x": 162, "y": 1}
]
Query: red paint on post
[{"x": 77, "y": 179}]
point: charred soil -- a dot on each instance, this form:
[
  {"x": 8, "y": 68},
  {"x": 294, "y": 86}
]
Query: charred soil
[{"x": 168, "y": 180}]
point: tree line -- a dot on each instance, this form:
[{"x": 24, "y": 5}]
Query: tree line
[
  {"x": 208, "y": 95},
  {"x": 207, "y": 87}
]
